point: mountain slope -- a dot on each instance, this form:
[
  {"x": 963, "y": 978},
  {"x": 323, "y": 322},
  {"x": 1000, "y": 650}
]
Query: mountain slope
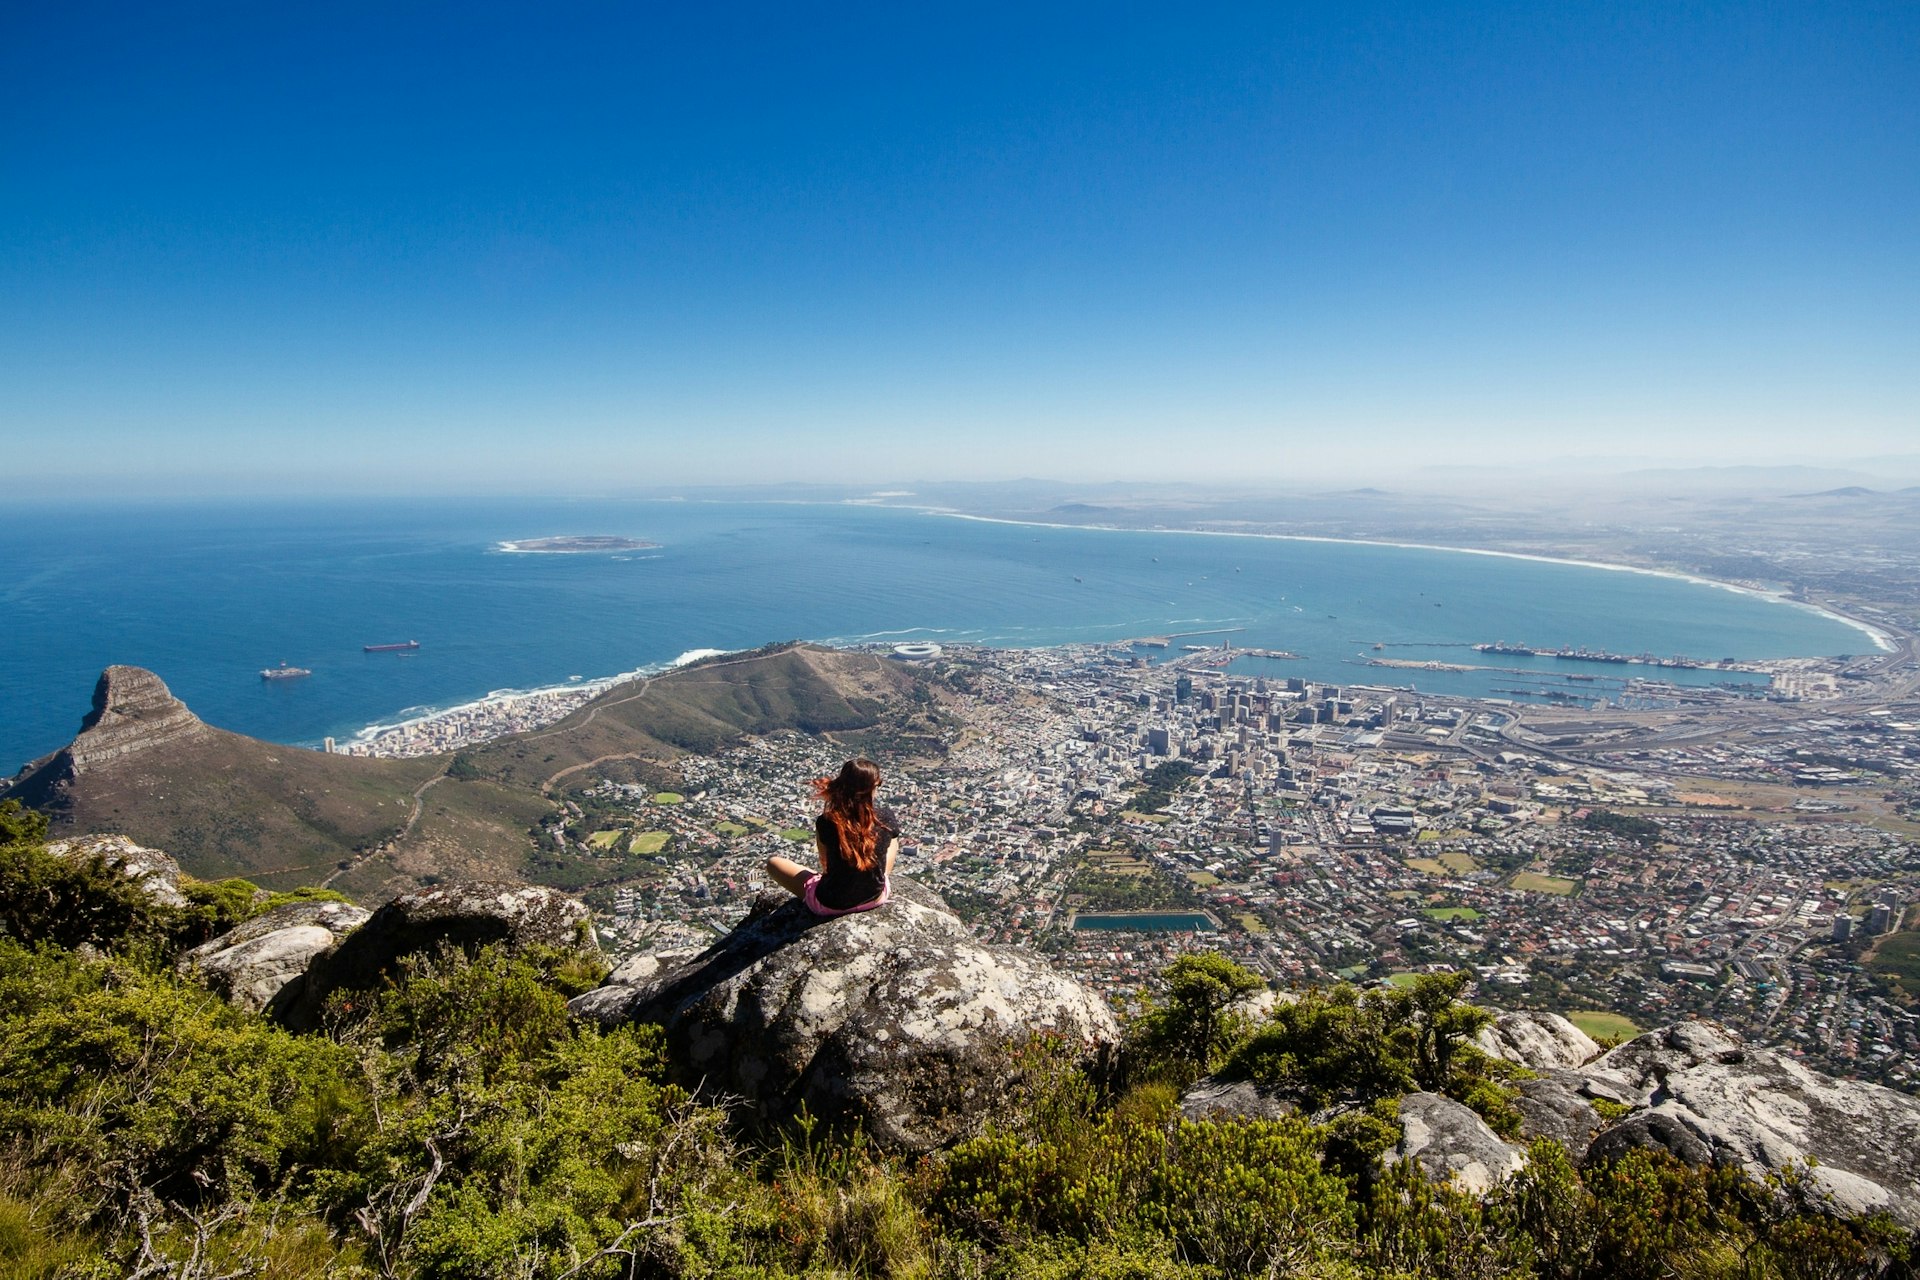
[
  {"x": 701, "y": 708},
  {"x": 224, "y": 804}
]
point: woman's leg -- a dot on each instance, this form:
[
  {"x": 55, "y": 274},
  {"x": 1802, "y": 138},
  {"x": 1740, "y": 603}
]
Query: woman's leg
[{"x": 791, "y": 875}]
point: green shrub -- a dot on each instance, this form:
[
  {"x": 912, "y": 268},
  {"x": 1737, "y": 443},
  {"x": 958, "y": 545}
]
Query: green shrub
[
  {"x": 155, "y": 1083},
  {"x": 490, "y": 1012},
  {"x": 1328, "y": 1046},
  {"x": 1415, "y": 1227},
  {"x": 1184, "y": 1036},
  {"x": 1059, "y": 1162},
  {"x": 1142, "y": 1257},
  {"x": 44, "y": 898},
  {"x": 1249, "y": 1196},
  {"x": 1343, "y": 1045}
]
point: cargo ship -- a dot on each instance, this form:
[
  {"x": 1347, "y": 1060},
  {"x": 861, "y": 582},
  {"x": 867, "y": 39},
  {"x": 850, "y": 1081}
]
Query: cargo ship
[
  {"x": 403, "y": 646},
  {"x": 284, "y": 672}
]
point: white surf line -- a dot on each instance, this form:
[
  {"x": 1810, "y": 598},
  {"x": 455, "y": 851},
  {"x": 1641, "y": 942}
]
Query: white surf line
[
  {"x": 500, "y": 697},
  {"x": 1880, "y": 638}
]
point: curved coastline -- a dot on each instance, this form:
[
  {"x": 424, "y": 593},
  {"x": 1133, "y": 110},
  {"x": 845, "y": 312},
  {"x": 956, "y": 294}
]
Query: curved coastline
[
  {"x": 586, "y": 691},
  {"x": 1881, "y": 640}
]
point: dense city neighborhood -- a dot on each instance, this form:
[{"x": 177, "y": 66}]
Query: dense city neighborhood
[{"x": 1116, "y": 811}]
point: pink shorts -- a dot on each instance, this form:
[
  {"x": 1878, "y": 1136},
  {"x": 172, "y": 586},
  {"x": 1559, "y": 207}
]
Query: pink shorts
[{"x": 814, "y": 904}]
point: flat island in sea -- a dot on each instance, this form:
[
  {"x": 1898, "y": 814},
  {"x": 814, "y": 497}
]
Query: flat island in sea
[{"x": 578, "y": 544}]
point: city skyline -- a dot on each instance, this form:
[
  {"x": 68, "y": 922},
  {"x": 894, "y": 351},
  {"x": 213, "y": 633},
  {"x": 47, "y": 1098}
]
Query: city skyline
[{"x": 485, "y": 249}]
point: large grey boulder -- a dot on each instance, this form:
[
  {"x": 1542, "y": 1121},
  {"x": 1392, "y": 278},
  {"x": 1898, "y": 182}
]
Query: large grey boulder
[
  {"x": 1553, "y": 1104},
  {"x": 1539, "y": 1041},
  {"x": 894, "y": 1018},
  {"x": 1448, "y": 1141},
  {"x": 265, "y": 959},
  {"x": 465, "y": 917},
  {"x": 1707, "y": 1096},
  {"x": 152, "y": 872}
]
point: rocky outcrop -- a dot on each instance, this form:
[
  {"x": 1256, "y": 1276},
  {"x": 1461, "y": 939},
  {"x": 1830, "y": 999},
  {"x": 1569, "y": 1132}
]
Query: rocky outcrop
[
  {"x": 1539, "y": 1041},
  {"x": 1448, "y": 1141},
  {"x": 894, "y": 1018},
  {"x": 133, "y": 711},
  {"x": 638, "y": 970},
  {"x": 1553, "y": 1104},
  {"x": 151, "y": 871},
  {"x": 1212, "y": 1098},
  {"x": 1707, "y": 1096},
  {"x": 262, "y": 964},
  {"x": 465, "y": 916}
]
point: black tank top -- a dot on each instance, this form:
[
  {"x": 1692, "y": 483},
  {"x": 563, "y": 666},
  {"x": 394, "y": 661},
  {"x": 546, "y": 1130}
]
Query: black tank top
[{"x": 841, "y": 884}]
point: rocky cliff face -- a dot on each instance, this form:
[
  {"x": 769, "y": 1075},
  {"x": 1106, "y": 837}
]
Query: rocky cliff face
[
  {"x": 133, "y": 716},
  {"x": 133, "y": 711},
  {"x": 1707, "y": 1096}
]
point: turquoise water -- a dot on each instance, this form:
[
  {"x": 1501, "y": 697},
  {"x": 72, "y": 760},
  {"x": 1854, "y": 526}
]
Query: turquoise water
[
  {"x": 1165, "y": 922},
  {"x": 207, "y": 596}
]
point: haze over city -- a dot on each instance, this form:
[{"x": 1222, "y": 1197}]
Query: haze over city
[{"x": 436, "y": 248}]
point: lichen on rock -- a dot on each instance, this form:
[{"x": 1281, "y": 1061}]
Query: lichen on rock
[
  {"x": 1537, "y": 1041},
  {"x": 1704, "y": 1094},
  {"x": 152, "y": 872},
  {"x": 1448, "y": 1141}
]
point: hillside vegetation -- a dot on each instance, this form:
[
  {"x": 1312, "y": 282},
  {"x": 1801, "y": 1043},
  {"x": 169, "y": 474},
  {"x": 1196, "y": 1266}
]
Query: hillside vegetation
[{"x": 458, "y": 1123}]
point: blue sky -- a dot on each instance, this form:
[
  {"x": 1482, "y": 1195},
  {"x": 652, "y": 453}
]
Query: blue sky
[{"x": 586, "y": 246}]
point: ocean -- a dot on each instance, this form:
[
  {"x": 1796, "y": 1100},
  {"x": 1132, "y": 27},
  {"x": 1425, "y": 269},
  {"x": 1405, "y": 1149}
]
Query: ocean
[{"x": 206, "y": 596}]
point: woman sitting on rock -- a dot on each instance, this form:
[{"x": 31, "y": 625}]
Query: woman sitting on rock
[{"x": 855, "y": 840}]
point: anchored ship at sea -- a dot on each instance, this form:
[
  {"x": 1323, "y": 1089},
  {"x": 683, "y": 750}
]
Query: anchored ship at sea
[
  {"x": 390, "y": 648},
  {"x": 284, "y": 672}
]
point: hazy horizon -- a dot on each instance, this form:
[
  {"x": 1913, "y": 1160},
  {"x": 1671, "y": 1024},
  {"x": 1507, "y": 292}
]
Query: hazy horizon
[
  {"x": 1518, "y": 488},
  {"x": 484, "y": 249}
]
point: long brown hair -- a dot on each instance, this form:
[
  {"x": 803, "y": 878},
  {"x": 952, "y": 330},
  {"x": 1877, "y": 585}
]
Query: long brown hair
[{"x": 848, "y": 797}]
